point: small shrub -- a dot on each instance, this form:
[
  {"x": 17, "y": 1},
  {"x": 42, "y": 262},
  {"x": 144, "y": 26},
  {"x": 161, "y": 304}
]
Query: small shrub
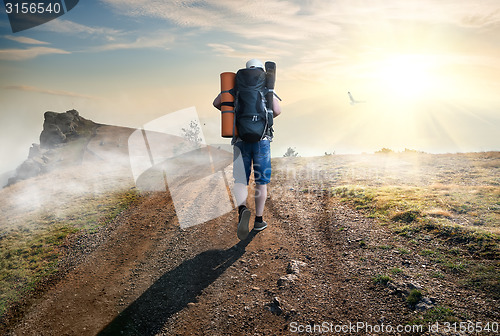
[
  {"x": 381, "y": 279},
  {"x": 439, "y": 313},
  {"x": 426, "y": 252},
  {"x": 403, "y": 251},
  {"x": 455, "y": 267},
  {"x": 437, "y": 275},
  {"x": 384, "y": 151},
  {"x": 291, "y": 152},
  {"x": 406, "y": 216},
  {"x": 414, "y": 297},
  {"x": 396, "y": 270}
]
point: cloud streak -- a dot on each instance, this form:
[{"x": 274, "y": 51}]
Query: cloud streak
[
  {"x": 162, "y": 41},
  {"x": 318, "y": 34},
  {"x": 46, "y": 91},
  {"x": 30, "y": 53},
  {"x": 24, "y": 40},
  {"x": 112, "y": 39},
  {"x": 242, "y": 51},
  {"x": 293, "y": 20},
  {"x": 278, "y": 20},
  {"x": 69, "y": 27}
]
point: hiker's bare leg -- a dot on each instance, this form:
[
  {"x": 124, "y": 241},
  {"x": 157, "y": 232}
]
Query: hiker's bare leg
[
  {"x": 240, "y": 193},
  {"x": 260, "y": 199}
]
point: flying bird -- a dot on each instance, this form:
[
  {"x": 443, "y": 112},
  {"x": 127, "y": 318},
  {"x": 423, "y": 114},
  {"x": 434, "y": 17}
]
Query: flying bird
[{"x": 354, "y": 101}]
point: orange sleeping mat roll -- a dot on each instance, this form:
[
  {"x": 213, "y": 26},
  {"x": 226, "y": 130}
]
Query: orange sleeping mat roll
[{"x": 227, "y": 110}]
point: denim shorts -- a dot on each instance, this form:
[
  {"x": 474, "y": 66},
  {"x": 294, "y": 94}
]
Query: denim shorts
[{"x": 246, "y": 153}]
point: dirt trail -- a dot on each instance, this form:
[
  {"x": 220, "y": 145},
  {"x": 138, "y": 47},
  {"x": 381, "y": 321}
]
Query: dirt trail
[{"x": 149, "y": 277}]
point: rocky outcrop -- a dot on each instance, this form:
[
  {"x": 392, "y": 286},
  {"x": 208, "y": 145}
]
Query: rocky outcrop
[{"x": 59, "y": 129}]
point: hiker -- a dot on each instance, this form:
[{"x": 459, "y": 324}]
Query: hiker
[{"x": 248, "y": 154}]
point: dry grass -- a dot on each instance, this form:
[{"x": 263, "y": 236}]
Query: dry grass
[
  {"x": 439, "y": 213},
  {"x": 454, "y": 198},
  {"x": 40, "y": 213},
  {"x": 461, "y": 188}
]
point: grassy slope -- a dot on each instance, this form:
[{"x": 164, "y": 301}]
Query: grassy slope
[
  {"x": 29, "y": 256},
  {"x": 454, "y": 198},
  {"x": 39, "y": 215}
]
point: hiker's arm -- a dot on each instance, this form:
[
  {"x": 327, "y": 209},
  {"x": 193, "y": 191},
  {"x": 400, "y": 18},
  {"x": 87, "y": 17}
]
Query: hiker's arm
[
  {"x": 217, "y": 102},
  {"x": 276, "y": 107}
]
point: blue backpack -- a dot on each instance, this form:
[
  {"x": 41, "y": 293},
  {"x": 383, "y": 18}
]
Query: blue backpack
[{"x": 252, "y": 119}]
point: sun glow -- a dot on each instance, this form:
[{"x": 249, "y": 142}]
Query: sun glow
[{"x": 406, "y": 77}]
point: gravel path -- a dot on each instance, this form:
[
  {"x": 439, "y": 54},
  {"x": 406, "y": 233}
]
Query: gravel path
[{"x": 314, "y": 264}]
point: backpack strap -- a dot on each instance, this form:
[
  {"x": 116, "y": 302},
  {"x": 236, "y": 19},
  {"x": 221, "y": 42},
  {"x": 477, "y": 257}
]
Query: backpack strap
[
  {"x": 274, "y": 93},
  {"x": 231, "y": 104}
]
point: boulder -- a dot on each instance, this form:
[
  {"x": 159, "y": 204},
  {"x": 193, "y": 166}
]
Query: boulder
[
  {"x": 293, "y": 266},
  {"x": 424, "y": 304},
  {"x": 58, "y": 127},
  {"x": 275, "y": 306},
  {"x": 287, "y": 280}
]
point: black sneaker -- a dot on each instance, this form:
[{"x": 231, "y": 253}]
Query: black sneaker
[
  {"x": 242, "y": 232},
  {"x": 259, "y": 226}
]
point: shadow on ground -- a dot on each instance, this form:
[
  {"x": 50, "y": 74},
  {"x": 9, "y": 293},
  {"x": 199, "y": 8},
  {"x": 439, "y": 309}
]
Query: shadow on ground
[{"x": 173, "y": 291}]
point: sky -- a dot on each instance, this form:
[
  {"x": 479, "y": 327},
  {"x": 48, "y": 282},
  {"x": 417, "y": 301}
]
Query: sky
[{"x": 426, "y": 73}]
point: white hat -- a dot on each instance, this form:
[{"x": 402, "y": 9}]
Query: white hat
[{"x": 255, "y": 63}]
